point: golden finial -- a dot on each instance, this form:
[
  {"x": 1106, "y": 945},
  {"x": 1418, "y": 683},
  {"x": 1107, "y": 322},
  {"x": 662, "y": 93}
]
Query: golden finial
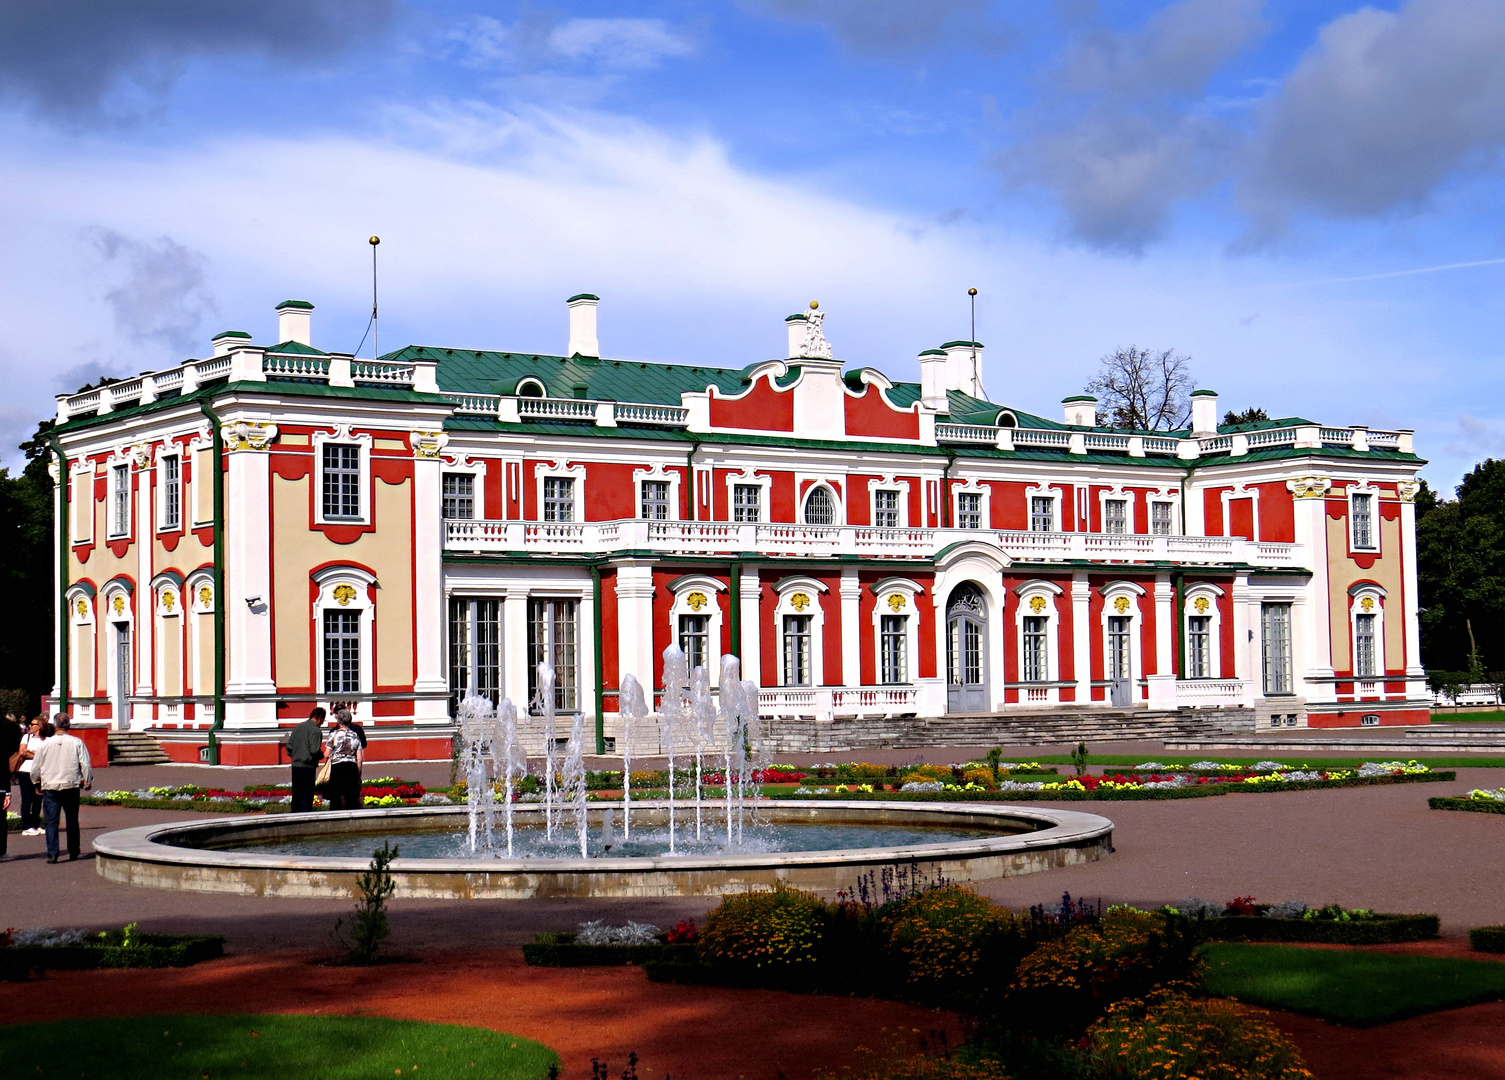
[
  {"x": 814, "y": 304},
  {"x": 971, "y": 292},
  {"x": 374, "y": 241}
]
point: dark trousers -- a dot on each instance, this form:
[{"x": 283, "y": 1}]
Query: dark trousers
[
  {"x": 303, "y": 788},
  {"x": 55, "y": 803},
  {"x": 5, "y": 826},
  {"x": 345, "y": 786},
  {"x": 31, "y": 802}
]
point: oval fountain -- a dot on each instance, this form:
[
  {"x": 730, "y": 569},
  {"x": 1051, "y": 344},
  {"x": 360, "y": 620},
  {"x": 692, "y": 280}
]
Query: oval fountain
[{"x": 699, "y": 843}]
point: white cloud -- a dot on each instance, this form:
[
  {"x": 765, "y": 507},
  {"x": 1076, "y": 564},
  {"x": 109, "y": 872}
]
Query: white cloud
[{"x": 537, "y": 40}]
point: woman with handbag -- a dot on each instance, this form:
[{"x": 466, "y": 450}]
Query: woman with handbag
[
  {"x": 345, "y": 755},
  {"x": 31, "y": 795}
]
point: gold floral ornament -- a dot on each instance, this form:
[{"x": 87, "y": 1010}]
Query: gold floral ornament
[
  {"x": 206, "y": 594},
  {"x": 1037, "y": 604},
  {"x": 1121, "y": 604},
  {"x": 1367, "y": 603},
  {"x": 169, "y": 599},
  {"x": 1201, "y": 604},
  {"x": 896, "y": 602},
  {"x": 799, "y": 601},
  {"x": 119, "y": 604},
  {"x": 343, "y": 594},
  {"x": 83, "y": 608},
  {"x": 696, "y": 600}
]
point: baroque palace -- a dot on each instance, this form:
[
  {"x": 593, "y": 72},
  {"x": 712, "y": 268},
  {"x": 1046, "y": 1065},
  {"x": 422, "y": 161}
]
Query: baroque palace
[{"x": 275, "y": 526}]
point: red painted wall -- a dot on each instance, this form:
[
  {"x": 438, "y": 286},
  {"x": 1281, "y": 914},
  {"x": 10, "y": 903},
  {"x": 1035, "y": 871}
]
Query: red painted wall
[
  {"x": 871, "y": 415},
  {"x": 762, "y": 408},
  {"x": 1277, "y": 514}
]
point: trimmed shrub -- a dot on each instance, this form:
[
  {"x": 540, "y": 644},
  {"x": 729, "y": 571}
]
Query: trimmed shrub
[
  {"x": 981, "y": 777},
  {"x": 1171, "y": 1034},
  {"x": 1378, "y": 929},
  {"x": 941, "y": 773},
  {"x": 777, "y": 928},
  {"x": 1487, "y": 939},
  {"x": 1477, "y": 806},
  {"x": 951, "y": 943}
]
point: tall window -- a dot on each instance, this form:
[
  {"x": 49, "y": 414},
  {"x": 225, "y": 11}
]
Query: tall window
[
  {"x": 1160, "y": 518},
  {"x": 695, "y": 640},
  {"x": 459, "y": 495},
  {"x": 475, "y": 648},
  {"x": 1036, "y": 656},
  {"x": 1042, "y": 513},
  {"x": 1119, "y": 664},
  {"x": 552, "y": 637},
  {"x": 969, "y": 510},
  {"x": 655, "y": 502},
  {"x": 1364, "y": 646},
  {"x": 747, "y": 502},
  {"x": 558, "y": 498},
  {"x": 797, "y": 644},
  {"x": 342, "y": 652},
  {"x": 1115, "y": 515},
  {"x": 820, "y": 507},
  {"x": 342, "y": 480},
  {"x": 1199, "y": 647},
  {"x": 1275, "y": 622},
  {"x": 172, "y": 492},
  {"x": 893, "y": 649},
  {"x": 120, "y": 520},
  {"x": 886, "y": 509},
  {"x": 1363, "y": 521}
]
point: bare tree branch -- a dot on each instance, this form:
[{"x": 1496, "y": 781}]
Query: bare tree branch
[{"x": 1140, "y": 390}]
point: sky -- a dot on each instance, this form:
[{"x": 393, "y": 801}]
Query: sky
[{"x": 1303, "y": 197}]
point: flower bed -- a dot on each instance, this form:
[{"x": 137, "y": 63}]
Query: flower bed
[
  {"x": 1479, "y": 800},
  {"x": 258, "y": 798},
  {"x": 597, "y": 945},
  {"x": 25, "y": 951}
]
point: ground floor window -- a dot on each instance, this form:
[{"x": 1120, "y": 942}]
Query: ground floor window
[
  {"x": 797, "y": 648},
  {"x": 1036, "y": 667},
  {"x": 475, "y": 648},
  {"x": 1364, "y": 650},
  {"x": 1199, "y": 647},
  {"x": 1119, "y": 656},
  {"x": 553, "y": 636},
  {"x": 893, "y": 647},
  {"x": 342, "y": 652},
  {"x": 1275, "y": 622},
  {"x": 695, "y": 640}
]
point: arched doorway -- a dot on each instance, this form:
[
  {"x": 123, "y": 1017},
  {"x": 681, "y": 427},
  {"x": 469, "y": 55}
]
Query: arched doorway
[{"x": 966, "y": 650}]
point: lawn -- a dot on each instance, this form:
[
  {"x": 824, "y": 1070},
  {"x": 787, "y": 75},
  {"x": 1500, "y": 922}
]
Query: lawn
[
  {"x": 266, "y": 1048},
  {"x": 1469, "y": 718},
  {"x": 1359, "y": 989}
]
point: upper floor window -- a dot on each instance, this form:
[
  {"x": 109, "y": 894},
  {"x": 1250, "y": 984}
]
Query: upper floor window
[
  {"x": 893, "y": 647},
  {"x": 885, "y": 509},
  {"x": 969, "y": 510},
  {"x": 747, "y": 502},
  {"x": 1363, "y": 521},
  {"x": 1115, "y": 515},
  {"x": 655, "y": 501},
  {"x": 558, "y": 498},
  {"x": 459, "y": 495},
  {"x": 120, "y": 518},
  {"x": 1160, "y": 518},
  {"x": 172, "y": 492},
  {"x": 1042, "y": 513},
  {"x": 820, "y": 507},
  {"x": 342, "y": 480}
]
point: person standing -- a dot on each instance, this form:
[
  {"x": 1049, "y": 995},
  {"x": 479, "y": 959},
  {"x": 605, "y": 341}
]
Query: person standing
[
  {"x": 37, "y": 732},
  {"x": 346, "y": 756},
  {"x": 63, "y": 769},
  {"x": 10, "y": 755},
  {"x": 305, "y": 746}
]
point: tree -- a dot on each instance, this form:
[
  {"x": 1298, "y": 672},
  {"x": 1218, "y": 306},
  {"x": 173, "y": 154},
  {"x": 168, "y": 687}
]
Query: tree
[
  {"x": 27, "y": 550},
  {"x": 1140, "y": 390},
  {"x": 1460, "y": 552},
  {"x": 1248, "y": 416}
]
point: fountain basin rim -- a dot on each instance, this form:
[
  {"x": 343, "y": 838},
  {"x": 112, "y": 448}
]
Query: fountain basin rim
[{"x": 144, "y": 844}]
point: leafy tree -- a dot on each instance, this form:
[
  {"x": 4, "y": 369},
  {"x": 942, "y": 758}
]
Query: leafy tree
[
  {"x": 1248, "y": 416},
  {"x": 1460, "y": 549},
  {"x": 27, "y": 550},
  {"x": 1140, "y": 390}
]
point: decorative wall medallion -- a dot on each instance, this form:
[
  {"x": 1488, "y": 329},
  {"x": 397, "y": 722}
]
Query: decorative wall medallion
[
  {"x": 799, "y": 601},
  {"x": 1201, "y": 604},
  {"x": 1309, "y": 487},
  {"x": 1037, "y": 604},
  {"x": 118, "y": 604},
  {"x": 427, "y": 444},
  {"x": 169, "y": 599},
  {"x": 896, "y": 602},
  {"x": 696, "y": 600},
  {"x": 246, "y": 436},
  {"x": 1407, "y": 490},
  {"x": 1121, "y": 604},
  {"x": 206, "y": 594},
  {"x": 83, "y": 608},
  {"x": 1367, "y": 603},
  {"x": 343, "y": 594}
]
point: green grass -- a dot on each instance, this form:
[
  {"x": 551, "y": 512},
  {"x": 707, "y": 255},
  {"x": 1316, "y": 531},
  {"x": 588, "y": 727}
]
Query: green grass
[
  {"x": 266, "y": 1048},
  {"x": 1359, "y": 989},
  {"x": 1469, "y": 718},
  {"x": 1295, "y": 760}
]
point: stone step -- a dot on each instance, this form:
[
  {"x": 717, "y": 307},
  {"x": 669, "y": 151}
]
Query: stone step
[{"x": 135, "y": 748}]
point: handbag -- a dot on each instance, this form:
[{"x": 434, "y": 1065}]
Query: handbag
[
  {"x": 16, "y": 761},
  {"x": 321, "y": 778}
]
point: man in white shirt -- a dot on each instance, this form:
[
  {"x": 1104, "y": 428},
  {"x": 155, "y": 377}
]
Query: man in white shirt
[{"x": 61, "y": 769}]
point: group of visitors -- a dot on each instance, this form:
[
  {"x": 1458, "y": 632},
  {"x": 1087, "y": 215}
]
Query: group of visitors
[
  {"x": 52, "y": 768},
  {"x": 342, "y": 748}
]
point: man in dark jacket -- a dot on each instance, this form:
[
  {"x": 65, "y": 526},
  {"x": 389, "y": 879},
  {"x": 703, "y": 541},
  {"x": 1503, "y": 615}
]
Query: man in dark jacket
[{"x": 305, "y": 746}]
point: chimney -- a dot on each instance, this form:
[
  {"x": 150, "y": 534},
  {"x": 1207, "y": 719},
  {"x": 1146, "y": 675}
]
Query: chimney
[
  {"x": 583, "y": 340},
  {"x": 1204, "y": 412},
  {"x": 933, "y": 380},
  {"x": 1081, "y": 410},
  {"x": 795, "y": 324},
  {"x": 293, "y": 318},
  {"x": 964, "y": 368},
  {"x": 229, "y": 339}
]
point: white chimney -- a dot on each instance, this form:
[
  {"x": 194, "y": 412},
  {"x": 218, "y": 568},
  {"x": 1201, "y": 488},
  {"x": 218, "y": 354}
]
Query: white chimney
[
  {"x": 1081, "y": 410},
  {"x": 293, "y": 319},
  {"x": 1204, "y": 412},
  {"x": 229, "y": 339},
  {"x": 796, "y": 325},
  {"x": 964, "y": 368},
  {"x": 933, "y": 363},
  {"x": 583, "y": 341}
]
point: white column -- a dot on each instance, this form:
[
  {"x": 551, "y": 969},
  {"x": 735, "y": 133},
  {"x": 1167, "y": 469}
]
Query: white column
[
  {"x": 1246, "y": 645},
  {"x": 1311, "y": 646},
  {"x": 248, "y": 587},
  {"x": 635, "y": 623},
  {"x": 752, "y": 626},
  {"x": 1081, "y": 637},
  {"x": 428, "y": 590},
  {"x": 1411, "y": 629},
  {"x": 515, "y": 648},
  {"x": 145, "y": 602},
  {"x": 851, "y": 628},
  {"x": 1162, "y": 685}
]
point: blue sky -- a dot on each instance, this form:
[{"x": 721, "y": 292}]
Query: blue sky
[{"x": 1270, "y": 188}]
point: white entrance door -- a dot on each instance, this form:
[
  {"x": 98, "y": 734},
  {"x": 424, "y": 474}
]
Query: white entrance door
[{"x": 122, "y": 695}]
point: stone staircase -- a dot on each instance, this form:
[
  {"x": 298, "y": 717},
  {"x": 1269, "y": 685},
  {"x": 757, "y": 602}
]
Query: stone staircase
[{"x": 136, "y": 748}]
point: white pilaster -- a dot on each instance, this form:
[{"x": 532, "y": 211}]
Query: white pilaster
[
  {"x": 1411, "y": 628},
  {"x": 428, "y": 586},
  {"x": 146, "y": 604},
  {"x": 1081, "y": 637},
  {"x": 1246, "y": 645},
  {"x": 248, "y": 585},
  {"x": 635, "y": 623},
  {"x": 1165, "y": 625},
  {"x": 752, "y": 627},
  {"x": 1310, "y": 630},
  {"x": 515, "y": 648},
  {"x": 851, "y": 628}
]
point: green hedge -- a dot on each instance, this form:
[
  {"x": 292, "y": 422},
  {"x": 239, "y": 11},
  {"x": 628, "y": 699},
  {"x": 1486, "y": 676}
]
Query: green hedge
[
  {"x": 560, "y": 950},
  {"x": 1487, "y": 939},
  {"x": 106, "y": 951},
  {"x": 1478, "y": 806},
  {"x": 1379, "y": 930}
]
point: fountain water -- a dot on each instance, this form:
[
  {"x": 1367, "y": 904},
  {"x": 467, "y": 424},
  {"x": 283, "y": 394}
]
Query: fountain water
[
  {"x": 572, "y": 780},
  {"x": 510, "y": 756},
  {"x": 702, "y": 732},
  {"x": 632, "y": 708},
  {"x": 477, "y": 729},
  {"x": 545, "y": 705},
  {"x": 673, "y": 713}
]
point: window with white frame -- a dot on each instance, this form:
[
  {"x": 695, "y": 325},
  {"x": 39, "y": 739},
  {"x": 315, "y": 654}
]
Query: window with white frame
[
  {"x": 342, "y": 481},
  {"x": 1199, "y": 646},
  {"x": 695, "y": 640},
  {"x": 820, "y": 506},
  {"x": 1034, "y": 631},
  {"x": 1115, "y": 515},
  {"x": 558, "y": 498},
  {"x": 342, "y": 651},
  {"x": 747, "y": 502},
  {"x": 798, "y": 650},
  {"x": 1160, "y": 518},
  {"x": 1361, "y": 517},
  {"x": 969, "y": 510},
  {"x": 1042, "y": 513},
  {"x": 886, "y": 509},
  {"x": 553, "y": 638},
  {"x": 475, "y": 648},
  {"x": 1365, "y": 653},
  {"x": 893, "y": 649},
  {"x": 1275, "y": 625},
  {"x": 120, "y": 493},
  {"x": 172, "y": 491},
  {"x": 459, "y": 496},
  {"x": 653, "y": 502}
]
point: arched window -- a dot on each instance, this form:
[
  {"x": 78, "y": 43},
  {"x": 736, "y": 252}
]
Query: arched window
[
  {"x": 530, "y": 388},
  {"x": 820, "y": 507}
]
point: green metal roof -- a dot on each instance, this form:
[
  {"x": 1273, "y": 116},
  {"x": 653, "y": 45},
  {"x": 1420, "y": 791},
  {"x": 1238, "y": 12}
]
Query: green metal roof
[
  {"x": 301, "y": 304},
  {"x": 298, "y": 348}
]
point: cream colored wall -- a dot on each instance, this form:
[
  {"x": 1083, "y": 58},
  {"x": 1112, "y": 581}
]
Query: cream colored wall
[
  {"x": 392, "y": 559},
  {"x": 170, "y": 643},
  {"x": 1344, "y": 572}
]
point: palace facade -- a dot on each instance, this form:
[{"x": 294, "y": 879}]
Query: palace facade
[{"x": 274, "y": 526}]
